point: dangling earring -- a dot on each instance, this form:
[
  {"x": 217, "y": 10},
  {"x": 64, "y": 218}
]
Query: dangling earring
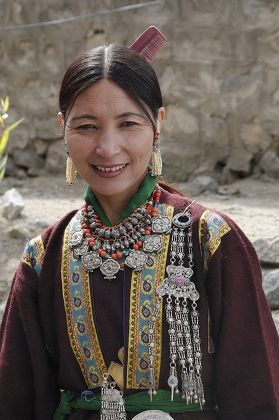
[
  {"x": 156, "y": 159},
  {"x": 70, "y": 169}
]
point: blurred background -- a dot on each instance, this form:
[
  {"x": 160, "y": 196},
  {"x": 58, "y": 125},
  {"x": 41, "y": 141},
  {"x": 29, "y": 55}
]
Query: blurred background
[{"x": 219, "y": 75}]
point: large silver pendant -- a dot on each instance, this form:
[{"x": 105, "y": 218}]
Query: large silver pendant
[
  {"x": 91, "y": 260},
  {"x": 161, "y": 224},
  {"x": 152, "y": 415},
  {"x": 109, "y": 268},
  {"x": 136, "y": 260},
  {"x": 152, "y": 243},
  {"x": 178, "y": 283},
  {"x": 76, "y": 238}
]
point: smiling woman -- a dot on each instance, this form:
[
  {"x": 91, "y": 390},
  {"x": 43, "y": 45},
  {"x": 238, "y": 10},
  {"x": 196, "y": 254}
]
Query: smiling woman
[{"x": 142, "y": 304}]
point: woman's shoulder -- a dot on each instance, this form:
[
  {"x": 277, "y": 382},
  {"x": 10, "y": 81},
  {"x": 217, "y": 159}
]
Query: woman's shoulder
[
  {"x": 208, "y": 223},
  {"x": 51, "y": 237}
]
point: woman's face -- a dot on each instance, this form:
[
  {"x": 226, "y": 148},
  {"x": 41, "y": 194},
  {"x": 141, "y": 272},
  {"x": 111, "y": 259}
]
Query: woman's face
[{"x": 109, "y": 139}]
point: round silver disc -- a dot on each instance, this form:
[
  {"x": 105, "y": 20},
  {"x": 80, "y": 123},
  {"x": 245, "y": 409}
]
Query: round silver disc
[{"x": 153, "y": 415}]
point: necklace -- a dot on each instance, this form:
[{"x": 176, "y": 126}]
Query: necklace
[{"x": 106, "y": 247}]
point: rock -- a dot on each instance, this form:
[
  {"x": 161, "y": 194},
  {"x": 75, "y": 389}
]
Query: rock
[
  {"x": 2, "y": 308},
  {"x": 21, "y": 174},
  {"x": 56, "y": 158},
  {"x": 228, "y": 190},
  {"x": 204, "y": 183},
  {"x": 240, "y": 160},
  {"x": 34, "y": 172},
  {"x": 255, "y": 138},
  {"x": 179, "y": 121},
  {"x": 47, "y": 129},
  {"x": 18, "y": 232},
  {"x": 43, "y": 224},
  {"x": 234, "y": 208},
  {"x": 270, "y": 164},
  {"x": 11, "y": 169},
  {"x": 268, "y": 250},
  {"x": 40, "y": 147},
  {"x": 275, "y": 315},
  {"x": 271, "y": 288},
  {"x": 12, "y": 204},
  {"x": 27, "y": 158}
]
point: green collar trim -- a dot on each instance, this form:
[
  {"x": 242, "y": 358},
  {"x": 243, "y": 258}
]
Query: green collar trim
[{"x": 139, "y": 198}]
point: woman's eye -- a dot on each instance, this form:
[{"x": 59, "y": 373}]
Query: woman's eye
[
  {"x": 86, "y": 127},
  {"x": 128, "y": 123}
]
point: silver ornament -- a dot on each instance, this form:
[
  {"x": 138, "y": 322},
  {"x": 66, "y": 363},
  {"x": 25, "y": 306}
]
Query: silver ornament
[
  {"x": 91, "y": 260},
  {"x": 136, "y": 260},
  {"x": 109, "y": 268}
]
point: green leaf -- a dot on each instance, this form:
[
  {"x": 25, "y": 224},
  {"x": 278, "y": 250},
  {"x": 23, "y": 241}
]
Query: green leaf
[
  {"x": 1, "y": 121},
  {"x": 5, "y": 136},
  {"x": 6, "y": 105},
  {"x": 3, "y": 162}
]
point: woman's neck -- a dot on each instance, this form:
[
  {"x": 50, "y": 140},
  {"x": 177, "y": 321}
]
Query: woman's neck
[{"x": 114, "y": 205}]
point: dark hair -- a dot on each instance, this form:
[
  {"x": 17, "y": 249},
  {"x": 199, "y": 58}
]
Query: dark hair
[{"x": 125, "y": 67}]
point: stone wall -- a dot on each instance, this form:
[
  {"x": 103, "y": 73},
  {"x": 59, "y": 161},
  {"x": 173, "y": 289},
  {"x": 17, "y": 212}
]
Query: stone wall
[{"x": 219, "y": 75}]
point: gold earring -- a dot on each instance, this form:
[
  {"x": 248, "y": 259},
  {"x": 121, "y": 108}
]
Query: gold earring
[
  {"x": 156, "y": 159},
  {"x": 71, "y": 173}
]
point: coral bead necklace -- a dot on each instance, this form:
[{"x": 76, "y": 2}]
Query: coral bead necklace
[{"x": 104, "y": 246}]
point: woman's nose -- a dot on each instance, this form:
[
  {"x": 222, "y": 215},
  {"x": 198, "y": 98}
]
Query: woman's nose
[{"x": 108, "y": 144}]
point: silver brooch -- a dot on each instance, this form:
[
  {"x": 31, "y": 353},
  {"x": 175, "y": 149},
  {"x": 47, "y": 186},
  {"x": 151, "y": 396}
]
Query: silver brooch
[
  {"x": 152, "y": 243},
  {"x": 136, "y": 260},
  {"x": 82, "y": 249},
  {"x": 91, "y": 260},
  {"x": 109, "y": 268},
  {"x": 76, "y": 238},
  {"x": 161, "y": 224}
]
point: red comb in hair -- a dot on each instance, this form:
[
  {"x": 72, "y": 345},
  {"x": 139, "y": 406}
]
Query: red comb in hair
[{"x": 149, "y": 43}]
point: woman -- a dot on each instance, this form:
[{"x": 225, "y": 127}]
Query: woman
[{"x": 141, "y": 290}]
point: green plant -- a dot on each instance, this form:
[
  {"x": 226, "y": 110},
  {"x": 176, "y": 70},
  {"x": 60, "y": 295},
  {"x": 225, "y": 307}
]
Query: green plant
[{"x": 4, "y": 133}]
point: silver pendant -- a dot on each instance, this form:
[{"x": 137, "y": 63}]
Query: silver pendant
[
  {"x": 152, "y": 243},
  {"x": 76, "y": 238},
  {"x": 136, "y": 260},
  {"x": 112, "y": 403},
  {"x": 152, "y": 415},
  {"x": 109, "y": 268},
  {"x": 161, "y": 224},
  {"x": 82, "y": 249},
  {"x": 91, "y": 260}
]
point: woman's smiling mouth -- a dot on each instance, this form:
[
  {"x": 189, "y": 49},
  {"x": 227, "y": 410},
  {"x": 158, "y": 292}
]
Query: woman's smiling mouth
[{"x": 109, "y": 171}]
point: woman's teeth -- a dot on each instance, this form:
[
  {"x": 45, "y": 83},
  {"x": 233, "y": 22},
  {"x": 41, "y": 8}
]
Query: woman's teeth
[{"x": 113, "y": 169}]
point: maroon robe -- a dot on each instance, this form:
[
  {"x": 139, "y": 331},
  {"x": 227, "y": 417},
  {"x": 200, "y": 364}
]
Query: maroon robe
[{"x": 36, "y": 358}]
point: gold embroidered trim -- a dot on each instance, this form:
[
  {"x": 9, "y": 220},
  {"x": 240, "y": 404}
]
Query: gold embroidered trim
[
  {"x": 141, "y": 302},
  {"x": 34, "y": 253},
  {"x": 93, "y": 365}
]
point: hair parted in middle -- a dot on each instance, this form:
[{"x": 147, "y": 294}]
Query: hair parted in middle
[{"x": 121, "y": 65}]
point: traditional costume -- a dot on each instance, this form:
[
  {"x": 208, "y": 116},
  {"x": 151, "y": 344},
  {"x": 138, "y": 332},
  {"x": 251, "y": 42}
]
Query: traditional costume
[{"x": 65, "y": 327}]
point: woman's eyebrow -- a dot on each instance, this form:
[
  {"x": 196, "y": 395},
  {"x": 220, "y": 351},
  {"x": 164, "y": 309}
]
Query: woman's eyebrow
[
  {"x": 80, "y": 117},
  {"x": 129, "y": 114}
]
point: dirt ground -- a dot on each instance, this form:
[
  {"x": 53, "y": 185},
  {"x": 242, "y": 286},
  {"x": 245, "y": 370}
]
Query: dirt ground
[{"x": 252, "y": 204}]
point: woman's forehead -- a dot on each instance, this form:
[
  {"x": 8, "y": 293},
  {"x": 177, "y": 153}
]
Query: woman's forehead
[{"x": 105, "y": 96}]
